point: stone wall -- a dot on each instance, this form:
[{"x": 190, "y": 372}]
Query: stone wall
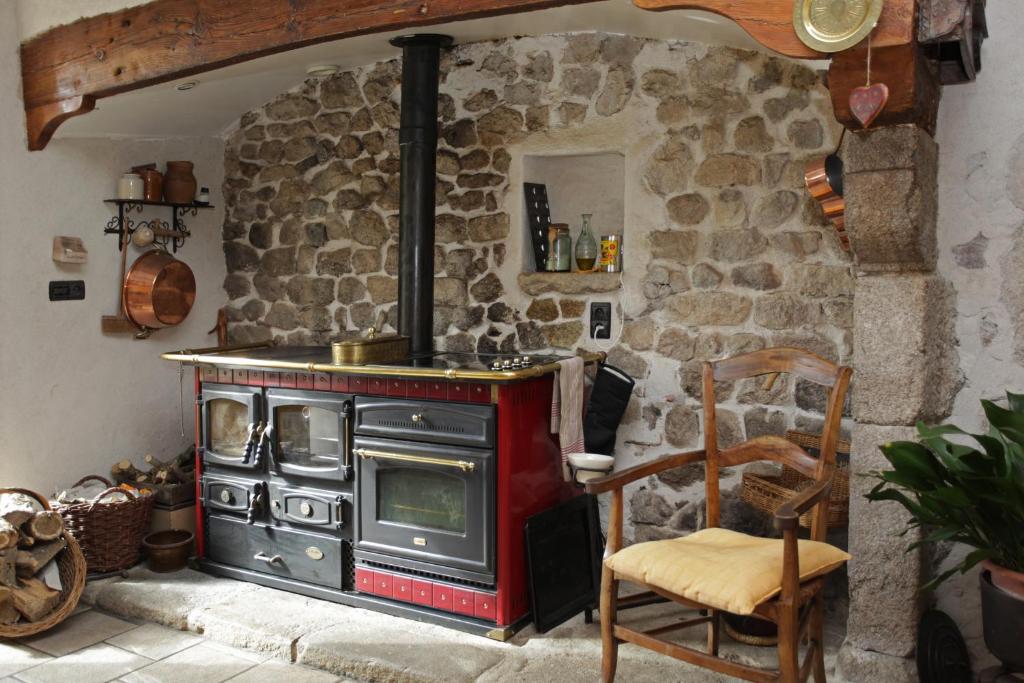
[{"x": 724, "y": 251}]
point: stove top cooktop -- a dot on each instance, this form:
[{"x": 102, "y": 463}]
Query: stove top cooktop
[{"x": 474, "y": 361}]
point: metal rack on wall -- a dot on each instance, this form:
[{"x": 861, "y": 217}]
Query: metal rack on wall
[{"x": 165, "y": 234}]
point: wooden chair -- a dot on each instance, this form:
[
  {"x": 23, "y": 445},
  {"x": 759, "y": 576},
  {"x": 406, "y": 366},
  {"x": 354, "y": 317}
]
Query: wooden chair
[{"x": 798, "y": 607}]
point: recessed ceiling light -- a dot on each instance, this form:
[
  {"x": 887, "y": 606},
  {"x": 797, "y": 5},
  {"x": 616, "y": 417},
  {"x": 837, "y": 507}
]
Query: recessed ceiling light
[
  {"x": 322, "y": 70},
  {"x": 188, "y": 85}
]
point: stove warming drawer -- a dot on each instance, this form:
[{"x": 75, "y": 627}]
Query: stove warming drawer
[{"x": 281, "y": 552}]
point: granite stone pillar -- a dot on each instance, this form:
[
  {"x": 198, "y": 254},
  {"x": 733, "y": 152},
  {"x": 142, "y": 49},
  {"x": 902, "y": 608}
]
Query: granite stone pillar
[{"x": 905, "y": 369}]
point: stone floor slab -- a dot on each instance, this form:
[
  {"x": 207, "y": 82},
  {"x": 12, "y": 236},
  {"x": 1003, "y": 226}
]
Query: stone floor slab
[
  {"x": 95, "y": 664},
  {"x": 197, "y": 664},
  {"x": 273, "y": 627},
  {"x": 166, "y": 599},
  {"x": 15, "y": 658},
  {"x": 275, "y": 671},
  {"x": 377, "y": 647},
  {"x": 78, "y": 631},
  {"x": 155, "y": 641}
]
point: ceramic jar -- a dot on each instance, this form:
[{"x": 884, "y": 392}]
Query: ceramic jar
[
  {"x": 179, "y": 183},
  {"x": 152, "y": 185},
  {"x": 129, "y": 186}
]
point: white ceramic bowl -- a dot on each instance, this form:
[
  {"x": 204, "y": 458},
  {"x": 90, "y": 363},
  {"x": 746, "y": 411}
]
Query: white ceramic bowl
[{"x": 595, "y": 464}]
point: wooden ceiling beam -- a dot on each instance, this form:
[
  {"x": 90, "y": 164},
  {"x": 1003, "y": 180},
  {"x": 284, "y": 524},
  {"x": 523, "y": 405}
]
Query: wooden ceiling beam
[{"x": 66, "y": 69}]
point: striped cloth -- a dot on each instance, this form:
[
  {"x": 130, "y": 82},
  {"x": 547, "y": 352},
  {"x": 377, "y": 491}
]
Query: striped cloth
[{"x": 567, "y": 409}]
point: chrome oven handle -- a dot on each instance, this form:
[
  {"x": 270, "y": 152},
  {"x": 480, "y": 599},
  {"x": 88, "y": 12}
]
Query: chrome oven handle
[
  {"x": 263, "y": 557},
  {"x": 463, "y": 465}
]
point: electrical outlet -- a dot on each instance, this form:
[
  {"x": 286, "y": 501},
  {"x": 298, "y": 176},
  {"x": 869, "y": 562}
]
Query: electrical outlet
[
  {"x": 600, "y": 320},
  {"x": 67, "y": 290}
]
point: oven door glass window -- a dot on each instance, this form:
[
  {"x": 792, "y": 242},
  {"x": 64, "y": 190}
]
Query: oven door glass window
[
  {"x": 308, "y": 437},
  {"x": 421, "y": 498},
  {"x": 228, "y": 427}
]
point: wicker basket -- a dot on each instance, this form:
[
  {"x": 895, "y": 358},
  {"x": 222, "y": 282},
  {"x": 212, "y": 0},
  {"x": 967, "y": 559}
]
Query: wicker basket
[
  {"x": 110, "y": 533},
  {"x": 71, "y": 565},
  {"x": 768, "y": 493}
]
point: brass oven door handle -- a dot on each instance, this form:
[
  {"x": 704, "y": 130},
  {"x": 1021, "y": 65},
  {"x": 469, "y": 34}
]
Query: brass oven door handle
[
  {"x": 263, "y": 557},
  {"x": 463, "y": 465}
]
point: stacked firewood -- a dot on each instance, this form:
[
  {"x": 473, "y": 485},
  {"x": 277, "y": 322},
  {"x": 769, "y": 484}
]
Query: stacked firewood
[
  {"x": 29, "y": 540},
  {"x": 180, "y": 470}
]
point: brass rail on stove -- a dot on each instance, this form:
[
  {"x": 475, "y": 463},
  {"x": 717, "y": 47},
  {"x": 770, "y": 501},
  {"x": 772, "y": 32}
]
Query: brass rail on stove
[{"x": 463, "y": 465}]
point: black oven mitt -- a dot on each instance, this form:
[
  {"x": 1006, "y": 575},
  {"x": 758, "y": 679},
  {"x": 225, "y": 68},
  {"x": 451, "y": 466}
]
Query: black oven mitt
[{"x": 608, "y": 400}]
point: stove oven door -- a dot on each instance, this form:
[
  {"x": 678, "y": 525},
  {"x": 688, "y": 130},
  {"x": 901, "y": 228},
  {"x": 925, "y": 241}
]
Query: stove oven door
[
  {"x": 310, "y": 434},
  {"x": 426, "y": 507},
  {"x": 232, "y": 426}
]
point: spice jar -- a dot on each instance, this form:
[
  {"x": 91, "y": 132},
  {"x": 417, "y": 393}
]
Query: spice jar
[{"x": 563, "y": 248}]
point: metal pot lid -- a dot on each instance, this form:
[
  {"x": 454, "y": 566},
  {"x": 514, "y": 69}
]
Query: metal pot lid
[{"x": 834, "y": 25}]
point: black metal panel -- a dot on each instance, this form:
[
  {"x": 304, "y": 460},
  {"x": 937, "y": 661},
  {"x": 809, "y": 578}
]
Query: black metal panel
[
  {"x": 448, "y": 423},
  {"x": 228, "y": 493},
  {"x": 251, "y": 397},
  {"x": 288, "y": 553},
  {"x": 417, "y": 140},
  {"x": 301, "y": 505},
  {"x": 470, "y": 551},
  {"x": 338, "y": 403}
]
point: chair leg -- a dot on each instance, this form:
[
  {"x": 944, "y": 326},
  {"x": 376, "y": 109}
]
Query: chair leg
[
  {"x": 789, "y": 645},
  {"x": 713, "y": 631},
  {"x": 817, "y": 633},
  {"x": 609, "y": 646}
]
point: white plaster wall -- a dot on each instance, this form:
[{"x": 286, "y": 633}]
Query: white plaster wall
[
  {"x": 72, "y": 400},
  {"x": 979, "y": 126}
]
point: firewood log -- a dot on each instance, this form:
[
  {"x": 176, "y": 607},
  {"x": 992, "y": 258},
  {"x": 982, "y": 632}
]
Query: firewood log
[
  {"x": 34, "y": 599},
  {"x": 125, "y": 471},
  {"x": 8, "y": 614},
  {"x": 24, "y": 540},
  {"x": 16, "y": 508},
  {"x": 8, "y": 567},
  {"x": 45, "y": 526},
  {"x": 8, "y": 534},
  {"x": 28, "y": 562}
]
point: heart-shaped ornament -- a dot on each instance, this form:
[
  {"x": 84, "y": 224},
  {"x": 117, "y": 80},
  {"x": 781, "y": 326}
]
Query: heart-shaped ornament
[{"x": 868, "y": 101}]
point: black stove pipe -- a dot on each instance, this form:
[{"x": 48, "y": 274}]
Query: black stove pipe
[{"x": 417, "y": 139}]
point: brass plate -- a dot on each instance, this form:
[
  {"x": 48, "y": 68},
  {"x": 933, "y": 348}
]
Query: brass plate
[
  {"x": 834, "y": 25},
  {"x": 314, "y": 553}
]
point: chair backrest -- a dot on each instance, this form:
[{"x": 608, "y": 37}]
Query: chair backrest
[{"x": 775, "y": 448}]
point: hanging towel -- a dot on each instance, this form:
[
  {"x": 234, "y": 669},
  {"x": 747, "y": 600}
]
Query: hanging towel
[{"x": 567, "y": 409}]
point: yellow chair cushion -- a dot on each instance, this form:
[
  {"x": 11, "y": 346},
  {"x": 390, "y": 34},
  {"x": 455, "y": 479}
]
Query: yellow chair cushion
[{"x": 720, "y": 568}]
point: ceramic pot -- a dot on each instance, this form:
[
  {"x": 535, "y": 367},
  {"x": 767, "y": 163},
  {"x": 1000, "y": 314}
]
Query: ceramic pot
[
  {"x": 1005, "y": 579},
  {"x": 1002, "y": 617},
  {"x": 179, "y": 183},
  {"x": 152, "y": 185}
]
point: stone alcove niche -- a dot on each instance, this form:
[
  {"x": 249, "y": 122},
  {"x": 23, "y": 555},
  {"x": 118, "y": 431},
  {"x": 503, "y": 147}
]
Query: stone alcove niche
[{"x": 578, "y": 183}]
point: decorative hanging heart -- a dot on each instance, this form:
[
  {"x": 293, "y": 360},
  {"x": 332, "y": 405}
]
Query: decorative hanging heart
[{"x": 867, "y": 102}]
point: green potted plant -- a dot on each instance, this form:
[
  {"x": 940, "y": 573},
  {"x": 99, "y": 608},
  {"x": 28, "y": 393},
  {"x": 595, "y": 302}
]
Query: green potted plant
[{"x": 970, "y": 490}]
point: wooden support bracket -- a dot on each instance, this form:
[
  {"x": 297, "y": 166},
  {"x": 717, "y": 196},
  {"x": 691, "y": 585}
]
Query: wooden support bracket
[{"x": 770, "y": 22}]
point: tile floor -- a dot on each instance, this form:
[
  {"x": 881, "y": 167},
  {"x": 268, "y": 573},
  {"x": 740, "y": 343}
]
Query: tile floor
[{"x": 93, "y": 647}]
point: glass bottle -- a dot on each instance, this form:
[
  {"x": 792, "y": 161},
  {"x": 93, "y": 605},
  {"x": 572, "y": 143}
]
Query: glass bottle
[
  {"x": 586, "y": 247},
  {"x": 563, "y": 249}
]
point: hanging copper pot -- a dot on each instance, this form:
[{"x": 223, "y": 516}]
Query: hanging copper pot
[{"x": 158, "y": 291}]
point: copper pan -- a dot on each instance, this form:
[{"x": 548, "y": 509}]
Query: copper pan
[{"x": 158, "y": 291}]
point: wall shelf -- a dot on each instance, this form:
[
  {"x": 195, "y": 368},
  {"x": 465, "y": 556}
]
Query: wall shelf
[
  {"x": 535, "y": 284},
  {"x": 165, "y": 234}
]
